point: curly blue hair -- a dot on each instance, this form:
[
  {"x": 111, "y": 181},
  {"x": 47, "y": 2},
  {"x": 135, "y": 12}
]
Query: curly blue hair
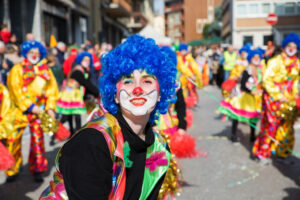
[
  {"x": 183, "y": 46},
  {"x": 137, "y": 52},
  {"x": 292, "y": 37},
  {"x": 169, "y": 53},
  {"x": 26, "y": 46},
  {"x": 245, "y": 48},
  {"x": 83, "y": 54},
  {"x": 254, "y": 52}
]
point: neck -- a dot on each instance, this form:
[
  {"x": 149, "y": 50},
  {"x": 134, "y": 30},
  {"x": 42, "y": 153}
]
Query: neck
[{"x": 137, "y": 123}]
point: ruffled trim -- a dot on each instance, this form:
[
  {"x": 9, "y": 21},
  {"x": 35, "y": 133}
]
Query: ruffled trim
[
  {"x": 71, "y": 111},
  {"x": 239, "y": 112},
  {"x": 237, "y": 117}
]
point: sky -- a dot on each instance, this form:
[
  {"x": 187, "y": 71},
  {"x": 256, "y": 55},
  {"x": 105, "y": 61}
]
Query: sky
[{"x": 159, "y": 6}]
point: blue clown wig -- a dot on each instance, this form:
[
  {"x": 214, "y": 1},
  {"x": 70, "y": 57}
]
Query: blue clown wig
[
  {"x": 83, "y": 54},
  {"x": 254, "y": 52},
  {"x": 32, "y": 44},
  {"x": 292, "y": 37},
  {"x": 245, "y": 48},
  {"x": 170, "y": 54},
  {"x": 137, "y": 52},
  {"x": 183, "y": 46}
]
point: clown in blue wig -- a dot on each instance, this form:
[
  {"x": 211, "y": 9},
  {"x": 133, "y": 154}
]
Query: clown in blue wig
[
  {"x": 280, "y": 83},
  {"x": 137, "y": 54},
  {"x": 82, "y": 55},
  {"x": 33, "y": 89},
  {"x": 138, "y": 81},
  {"x": 33, "y": 50}
]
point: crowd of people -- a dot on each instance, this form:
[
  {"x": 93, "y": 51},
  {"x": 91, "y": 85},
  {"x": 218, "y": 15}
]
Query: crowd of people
[{"x": 140, "y": 98}]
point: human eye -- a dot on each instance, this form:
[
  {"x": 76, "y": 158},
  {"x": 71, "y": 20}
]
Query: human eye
[
  {"x": 148, "y": 81},
  {"x": 127, "y": 81}
]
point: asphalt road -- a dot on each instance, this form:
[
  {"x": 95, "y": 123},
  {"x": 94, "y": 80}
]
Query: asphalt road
[{"x": 225, "y": 173}]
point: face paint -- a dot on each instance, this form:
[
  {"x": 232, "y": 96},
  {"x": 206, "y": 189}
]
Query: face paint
[
  {"x": 85, "y": 62},
  {"x": 138, "y": 106},
  {"x": 244, "y": 55},
  {"x": 255, "y": 60},
  {"x": 290, "y": 51},
  {"x": 33, "y": 56},
  {"x": 138, "y": 93}
]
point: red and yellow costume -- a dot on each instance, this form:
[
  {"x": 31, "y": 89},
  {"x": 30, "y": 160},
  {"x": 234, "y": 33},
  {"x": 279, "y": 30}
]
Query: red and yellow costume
[
  {"x": 189, "y": 70},
  {"x": 280, "y": 81},
  {"x": 30, "y": 85}
]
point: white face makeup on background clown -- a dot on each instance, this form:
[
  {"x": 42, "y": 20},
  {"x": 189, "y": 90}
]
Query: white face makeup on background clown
[
  {"x": 86, "y": 61},
  {"x": 138, "y": 93},
  {"x": 244, "y": 54},
  {"x": 255, "y": 60},
  {"x": 291, "y": 49},
  {"x": 33, "y": 56}
]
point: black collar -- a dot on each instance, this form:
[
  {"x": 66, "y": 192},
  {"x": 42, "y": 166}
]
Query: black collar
[{"x": 135, "y": 142}]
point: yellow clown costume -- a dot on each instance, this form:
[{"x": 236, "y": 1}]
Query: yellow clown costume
[
  {"x": 30, "y": 85},
  {"x": 280, "y": 83},
  {"x": 190, "y": 76}
]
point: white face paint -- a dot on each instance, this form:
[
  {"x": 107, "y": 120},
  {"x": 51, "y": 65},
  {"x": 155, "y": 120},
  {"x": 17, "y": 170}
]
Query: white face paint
[
  {"x": 33, "y": 56},
  {"x": 138, "y": 93},
  {"x": 86, "y": 62},
  {"x": 290, "y": 51},
  {"x": 139, "y": 106}
]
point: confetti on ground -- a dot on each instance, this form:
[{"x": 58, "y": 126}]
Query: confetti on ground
[
  {"x": 212, "y": 138},
  {"x": 253, "y": 175}
]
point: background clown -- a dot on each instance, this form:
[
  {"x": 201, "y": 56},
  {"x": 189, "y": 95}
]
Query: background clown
[
  {"x": 33, "y": 89},
  {"x": 280, "y": 84}
]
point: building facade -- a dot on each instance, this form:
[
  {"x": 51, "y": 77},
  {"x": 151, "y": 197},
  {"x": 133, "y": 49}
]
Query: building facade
[
  {"x": 185, "y": 19},
  {"x": 246, "y": 21},
  {"x": 70, "y": 21}
]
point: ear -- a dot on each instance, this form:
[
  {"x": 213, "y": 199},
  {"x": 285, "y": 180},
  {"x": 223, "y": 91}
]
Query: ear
[
  {"x": 158, "y": 98},
  {"x": 116, "y": 99}
]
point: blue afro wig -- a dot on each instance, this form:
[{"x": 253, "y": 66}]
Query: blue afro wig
[
  {"x": 83, "y": 54},
  {"x": 292, "y": 37},
  {"x": 137, "y": 52},
  {"x": 32, "y": 44},
  {"x": 254, "y": 52},
  {"x": 170, "y": 54},
  {"x": 183, "y": 46},
  {"x": 245, "y": 48}
]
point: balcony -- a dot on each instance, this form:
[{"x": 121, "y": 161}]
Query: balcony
[
  {"x": 138, "y": 21},
  {"x": 173, "y": 8},
  {"x": 117, "y": 8}
]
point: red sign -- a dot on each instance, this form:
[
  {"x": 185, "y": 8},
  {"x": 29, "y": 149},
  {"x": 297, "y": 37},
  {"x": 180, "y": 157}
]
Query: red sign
[{"x": 272, "y": 19}]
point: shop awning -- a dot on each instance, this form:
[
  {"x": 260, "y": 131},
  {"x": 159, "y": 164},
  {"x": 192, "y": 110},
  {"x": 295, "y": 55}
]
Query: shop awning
[{"x": 206, "y": 41}]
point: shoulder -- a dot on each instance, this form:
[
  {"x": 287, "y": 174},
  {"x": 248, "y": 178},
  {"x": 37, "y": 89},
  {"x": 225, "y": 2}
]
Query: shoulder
[{"x": 87, "y": 140}]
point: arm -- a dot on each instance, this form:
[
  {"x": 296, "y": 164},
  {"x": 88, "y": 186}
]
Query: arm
[
  {"x": 245, "y": 77},
  {"x": 15, "y": 86},
  {"x": 273, "y": 73},
  {"x": 180, "y": 108},
  {"x": 6, "y": 122},
  {"x": 51, "y": 93},
  {"x": 86, "y": 166},
  {"x": 79, "y": 77}
]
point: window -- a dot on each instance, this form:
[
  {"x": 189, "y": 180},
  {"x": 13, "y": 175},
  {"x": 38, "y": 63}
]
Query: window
[
  {"x": 267, "y": 38},
  {"x": 290, "y": 8},
  {"x": 266, "y": 8},
  {"x": 298, "y": 7},
  {"x": 253, "y": 9},
  {"x": 247, "y": 39},
  {"x": 241, "y": 10},
  {"x": 279, "y": 8}
]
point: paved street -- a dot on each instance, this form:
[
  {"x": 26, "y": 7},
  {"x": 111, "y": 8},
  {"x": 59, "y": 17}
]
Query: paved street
[{"x": 226, "y": 172}]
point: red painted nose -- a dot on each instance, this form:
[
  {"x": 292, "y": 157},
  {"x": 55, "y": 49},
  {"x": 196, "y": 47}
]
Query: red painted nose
[{"x": 137, "y": 91}]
